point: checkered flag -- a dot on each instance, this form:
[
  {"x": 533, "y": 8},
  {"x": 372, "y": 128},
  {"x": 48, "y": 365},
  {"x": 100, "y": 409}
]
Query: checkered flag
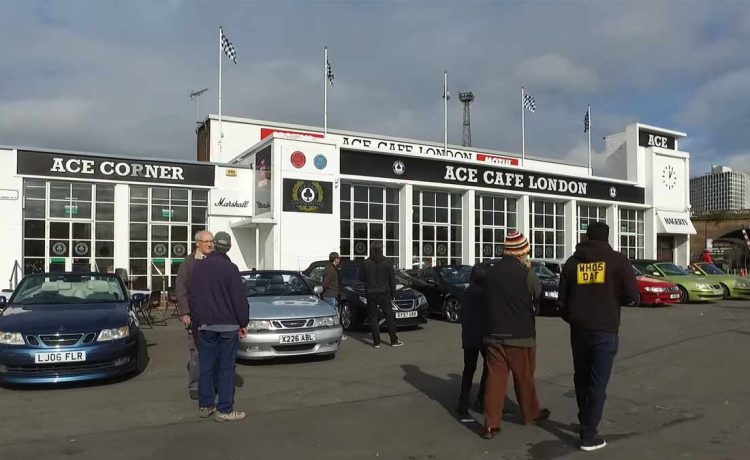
[
  {"x": 587, "y": 121},
  {"x": 329, "y": 72},
  {"x": 529, "y": 103},
  {"x": 228, "y": 47}
]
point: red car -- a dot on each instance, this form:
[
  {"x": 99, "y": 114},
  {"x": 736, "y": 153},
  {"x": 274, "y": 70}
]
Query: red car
[{"x": 655, "y": 292}]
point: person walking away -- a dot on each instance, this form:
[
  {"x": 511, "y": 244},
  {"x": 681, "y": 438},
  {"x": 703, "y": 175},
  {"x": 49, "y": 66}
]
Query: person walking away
[
  {"x": 204, "y": 244},
  {"x": 595, "y": 281},
  {"x": 219, "y": 306},
  {"x": 380, "y": 286},
  {"x": 511, "y": 289},
  {"x": 472, "y": 331}
]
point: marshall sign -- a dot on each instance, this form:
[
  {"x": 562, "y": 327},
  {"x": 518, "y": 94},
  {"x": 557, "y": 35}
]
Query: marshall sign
[
  {"x": 100, "y": 168},
  {"x": 435, "y": 171}
]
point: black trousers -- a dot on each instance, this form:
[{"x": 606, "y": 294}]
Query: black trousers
[
  {"x": 374, "y": 301},
  {"x": 593, "y": 357},
  {"x": 467, "y": 379}
]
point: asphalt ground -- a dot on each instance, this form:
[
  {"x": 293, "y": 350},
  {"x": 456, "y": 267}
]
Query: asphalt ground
[{"x": 679, "y": 391}]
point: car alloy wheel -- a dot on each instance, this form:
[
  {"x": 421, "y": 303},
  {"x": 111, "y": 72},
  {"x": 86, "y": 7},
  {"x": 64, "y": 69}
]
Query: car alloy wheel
[
  {"x": 346, "y": 316},
  {"x": 726, "y": 291},
  {"x": 683, "y": 295},
  {"x": 452, "y": 310}
]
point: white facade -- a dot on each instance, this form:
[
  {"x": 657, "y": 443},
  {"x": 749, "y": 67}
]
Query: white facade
[{"x": 720, "y": 190}]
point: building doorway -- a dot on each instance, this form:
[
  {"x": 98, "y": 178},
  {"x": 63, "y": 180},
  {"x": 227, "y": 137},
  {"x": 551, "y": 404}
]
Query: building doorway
[{"x": 665, "y": 248}]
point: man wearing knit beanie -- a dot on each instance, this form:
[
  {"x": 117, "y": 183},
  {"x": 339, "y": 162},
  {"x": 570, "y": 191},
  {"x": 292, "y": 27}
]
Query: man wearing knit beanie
[
  {"x": 511, "y": 291},
  {"x": 594, "y": 282}
]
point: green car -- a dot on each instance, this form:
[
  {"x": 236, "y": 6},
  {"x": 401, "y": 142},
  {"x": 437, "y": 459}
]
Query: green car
[
  {"x": 693, "y": 288},
  {"x": 733, "y": 286}
]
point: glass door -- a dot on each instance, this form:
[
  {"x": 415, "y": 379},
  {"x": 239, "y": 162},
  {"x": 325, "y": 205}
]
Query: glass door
[{"x": 69, "y": 246}]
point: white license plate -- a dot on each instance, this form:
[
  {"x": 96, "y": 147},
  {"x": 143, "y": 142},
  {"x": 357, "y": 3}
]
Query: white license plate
[
  {"x": 551, "y": 294},
  {"x": 406, "y": 314},
  {"x": 59, "y": 357},
  {"x": 297, "y": 338},
  {"x": 674, "y": 296}
]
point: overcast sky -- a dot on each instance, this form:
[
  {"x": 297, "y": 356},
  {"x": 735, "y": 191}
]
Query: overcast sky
[{"x": 114, "y": 76}]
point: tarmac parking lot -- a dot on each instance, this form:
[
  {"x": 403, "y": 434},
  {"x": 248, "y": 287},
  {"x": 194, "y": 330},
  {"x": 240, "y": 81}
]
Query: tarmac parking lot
[{"x": 679, "y": 390}]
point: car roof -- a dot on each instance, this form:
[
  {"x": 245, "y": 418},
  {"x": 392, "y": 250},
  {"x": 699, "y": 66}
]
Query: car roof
[{"x": 280, "y": 272}]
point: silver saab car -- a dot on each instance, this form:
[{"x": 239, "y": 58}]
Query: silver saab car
[{"x": 287, "y": 318}]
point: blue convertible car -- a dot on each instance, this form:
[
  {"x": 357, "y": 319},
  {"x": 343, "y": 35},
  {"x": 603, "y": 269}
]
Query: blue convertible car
[{"x": 69, "y": 327}]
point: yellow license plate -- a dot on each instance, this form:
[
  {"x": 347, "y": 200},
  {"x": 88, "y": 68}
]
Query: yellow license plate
[{"x": 592, "y": 272}]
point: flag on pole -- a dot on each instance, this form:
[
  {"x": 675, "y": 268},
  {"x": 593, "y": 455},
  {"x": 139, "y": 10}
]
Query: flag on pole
[
  {"x": 329, "y": 72},
  {"x": 529, "y": 103},
  {"x": 587, "y": 121},
  {"x": 446, "y": 93},
  {"x": 228, "y": 47}
]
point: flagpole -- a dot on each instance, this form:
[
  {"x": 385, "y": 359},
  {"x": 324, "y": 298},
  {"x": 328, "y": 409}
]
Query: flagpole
[
  {"x": 221, "y": 132},
  {"x": 325, "y": 91},
  {"x": 523, "y": 131},
  {"x": 445, "y": 112},
  {"x": 591, "y": 171}
]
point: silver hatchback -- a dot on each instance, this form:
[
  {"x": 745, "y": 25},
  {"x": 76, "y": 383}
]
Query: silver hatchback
[{"x": 287, "y": 318}]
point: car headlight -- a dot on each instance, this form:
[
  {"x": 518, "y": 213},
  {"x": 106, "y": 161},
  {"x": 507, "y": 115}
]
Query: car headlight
[
  {"x": 703, "y": 286},
  {"x": 742, "y": 284},
  {"x": 327, "y": 321},
  {"x": 258, "y": 325},
  {"x": 11, "y": 338},
  {"x": 363, "y": 300},
  {"x": 113, "y": 334},
  {"x": 551, "y": 294},
  {"x": 655, "y": 289},
  {"x": 421, "y": 301}
]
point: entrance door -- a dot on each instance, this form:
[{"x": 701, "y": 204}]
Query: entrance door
[
  {"x": 665, "y": 248},
  {"x": 69, "y": 247},
  {"x": 169, "y": 247}
]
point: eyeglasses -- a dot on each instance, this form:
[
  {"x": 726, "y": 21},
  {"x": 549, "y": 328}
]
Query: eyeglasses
[{"x": 205, "y": 241}]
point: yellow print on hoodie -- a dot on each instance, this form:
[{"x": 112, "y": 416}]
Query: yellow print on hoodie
[{"x": 592, "y": 272}]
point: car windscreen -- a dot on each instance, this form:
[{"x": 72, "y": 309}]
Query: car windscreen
[
  {"x": 637, "y": 271},
  {"x": 274, "y": 284},
  {"x": 68, "y": 288},
  {"x": 671, "y": 270},
  {"x": 349, "y": 274},
  {"x": 455, "y": 275},
  {"x": 711, "y": 269},
  {"x": 541, "y": 271}
]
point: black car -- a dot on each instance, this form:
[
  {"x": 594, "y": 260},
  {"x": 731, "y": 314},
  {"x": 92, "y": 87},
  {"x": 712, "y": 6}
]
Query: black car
[
  {"x": 444, "y": 288},
  {"x": 410, "y": 305},
  {"x": 548, "y": 302}
]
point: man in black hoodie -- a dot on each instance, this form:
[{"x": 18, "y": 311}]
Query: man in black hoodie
[
  {"x": 380, "y": 285},
  {"x": 594, "y": 282}
]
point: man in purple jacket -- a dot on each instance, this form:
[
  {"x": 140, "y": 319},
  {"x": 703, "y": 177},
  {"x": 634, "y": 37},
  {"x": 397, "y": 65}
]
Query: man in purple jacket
[{"x": 219, "y": 307}]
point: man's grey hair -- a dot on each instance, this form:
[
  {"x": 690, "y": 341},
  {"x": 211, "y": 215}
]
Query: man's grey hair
[{"x": 202, "y": 232}]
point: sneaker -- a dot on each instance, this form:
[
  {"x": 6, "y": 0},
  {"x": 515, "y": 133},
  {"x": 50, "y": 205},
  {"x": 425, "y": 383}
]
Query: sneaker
[
  {"x": 463, "y": 414},
  {"x": 193, "y": 394},
  {"x": 479, "y": 406},
  {"x": 593, "y": 444},
  {"x": 229, "y": 416},
  {"x": 397, "y": 343},
  {"x": 205, "y": 412},
  {"x": 375, "y": 345},
  {"x": 490, "y": 433}
]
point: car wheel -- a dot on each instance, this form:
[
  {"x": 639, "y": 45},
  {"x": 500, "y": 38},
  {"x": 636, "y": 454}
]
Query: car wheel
[
  {"x": 638, "y": 301},
  {"x": 726, "y": 291},
  {"x": 142, "y": 358},
  {"x": 683, "y": 295},
  {"x": 349, "y": 319},
  {"x": 452, "y": 310}
]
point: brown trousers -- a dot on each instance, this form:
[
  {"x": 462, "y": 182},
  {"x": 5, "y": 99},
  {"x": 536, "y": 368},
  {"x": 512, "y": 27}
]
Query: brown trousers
[{"x": 522, "y": 363}]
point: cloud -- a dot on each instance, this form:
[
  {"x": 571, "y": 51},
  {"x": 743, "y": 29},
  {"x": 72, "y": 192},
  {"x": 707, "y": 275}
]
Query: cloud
[{"x": 555, "y": 72}]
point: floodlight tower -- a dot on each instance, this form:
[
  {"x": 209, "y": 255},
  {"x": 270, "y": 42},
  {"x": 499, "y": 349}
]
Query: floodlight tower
[{"x": 466, "y": 98}]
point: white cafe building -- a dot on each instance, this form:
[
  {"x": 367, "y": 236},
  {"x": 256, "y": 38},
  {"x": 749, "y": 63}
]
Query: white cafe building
[{"x": 289, "y": 195}]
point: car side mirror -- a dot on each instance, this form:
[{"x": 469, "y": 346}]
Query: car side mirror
[
  {"x": 3, "y": 302},
  {"x": 318, "y": 289}
]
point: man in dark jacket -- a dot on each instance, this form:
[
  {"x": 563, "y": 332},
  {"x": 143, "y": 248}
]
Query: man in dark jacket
[
  {"x": 380, "y": 285},
  {"x": 204, "y": 244},
  {"x": 218, "y": 305},
  {"x": 595, "y": 281},
  {"x": 331, "y": 285},
  {"x": 472, "y": 332},
  {"x": 510, "y": 337}
]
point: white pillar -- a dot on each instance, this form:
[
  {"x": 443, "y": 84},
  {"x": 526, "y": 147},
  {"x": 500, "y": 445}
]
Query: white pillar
[
  {"x": 405, "y": 218},
  {"x": 523, "y": 219},
  {"x": 613, "y": 220},
  {"x": 571, "y": 227},
  {"x": 468, "y": 201},
  {"x": 122, "y": 227},
  {"x": 650, "y": 250}
]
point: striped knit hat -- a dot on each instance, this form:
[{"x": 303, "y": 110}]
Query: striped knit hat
[{"x": 516, "y": 244}]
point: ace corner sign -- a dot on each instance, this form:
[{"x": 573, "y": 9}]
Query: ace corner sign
[{"x": 308, "y": 196}]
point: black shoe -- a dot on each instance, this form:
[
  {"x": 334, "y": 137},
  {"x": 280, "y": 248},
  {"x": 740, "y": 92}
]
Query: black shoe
[
  {"x": 463, "y": 413},
  {"x": 397, "y": 343},
  {"x": 593, "y": 444},
  {"x": 490, "y": 433},
  {"x": 238, "y": 381},
  {"x": 193, "y": 394},
  {"x": 543, "y": 415}
]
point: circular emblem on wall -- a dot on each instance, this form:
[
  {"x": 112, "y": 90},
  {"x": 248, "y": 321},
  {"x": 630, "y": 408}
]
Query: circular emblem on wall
[
  {"x": 298, "y": 159},
  {"x": 59, "y": 248},
  {"x": 308, "y": 196},
  {"x": 548, "y": 252},
  {"x": 81, "y": 248},
  {"x": 499, "y": 250},
  {"x": 320, "y": 161},
  {"x": 160, "y": 250},
  {"x": 428, "y": 250},
  {"x": 179, "y": 250},
  {"x": 487, "y": 249},
  {"x": 442, "y": 249},
  {"x": 612, "y": 192},
  {"x": 360, "y": 247},
  {"x": 538, "y": 252},
  {"x": 399, "y": 168}
]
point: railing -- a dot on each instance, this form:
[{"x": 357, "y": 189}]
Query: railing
[{"x": 13, "y": 280}]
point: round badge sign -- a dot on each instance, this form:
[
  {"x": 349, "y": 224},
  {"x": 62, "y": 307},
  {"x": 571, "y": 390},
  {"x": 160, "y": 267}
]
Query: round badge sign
[
  {"x": 81, "y": 248},
  {"x": 428, "y": 249},
  {"x": 160, "y": 249},
  {"x": 399, "y": 168},
  {"x": 360, "y": 247},
  {"x": 298, "y": 159},
  {"x": 59, "y": 248},
  {"x": 442, "y": 249},
  {"x": 179, "y": 250},
  {"x": 487, "y": 249},
  {"x": 320, "y": 161}
]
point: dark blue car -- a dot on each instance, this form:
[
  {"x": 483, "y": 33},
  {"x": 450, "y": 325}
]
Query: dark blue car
[{"x": 69, "y": 327}]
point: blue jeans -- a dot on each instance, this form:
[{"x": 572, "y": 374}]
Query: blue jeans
[
  {"x": 217, "y": 352},
  {"x": 332, "y": 301},
  {"x": 593, "y": 357}
]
